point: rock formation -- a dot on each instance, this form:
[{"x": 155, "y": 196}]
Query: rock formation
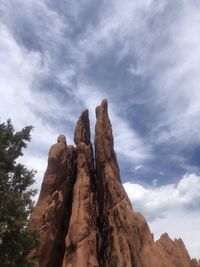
[
  {"x": 81, "y": 239},
  {"x": 83, "y": 214},
  {"x": 175, "y": 251},
  {"x": 52, "y": 212}
]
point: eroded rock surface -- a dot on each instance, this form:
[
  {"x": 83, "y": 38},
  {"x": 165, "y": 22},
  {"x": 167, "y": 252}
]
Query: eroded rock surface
[
  {"x": 81, "y": 250},
  {"x": 52, "y": 212},
  {"x": 125, "y": 236},
  {"x": 175, "y": 251},
  {"x": 84, "y": 215}
]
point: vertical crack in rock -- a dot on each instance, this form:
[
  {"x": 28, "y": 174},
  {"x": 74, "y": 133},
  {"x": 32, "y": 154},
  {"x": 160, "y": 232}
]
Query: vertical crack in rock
[
  {"x": 52, "y": 212},
  {"x": 82, "y": 234}
]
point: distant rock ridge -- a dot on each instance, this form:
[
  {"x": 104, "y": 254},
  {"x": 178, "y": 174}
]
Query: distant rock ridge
[{"x": 83, "y": 214}]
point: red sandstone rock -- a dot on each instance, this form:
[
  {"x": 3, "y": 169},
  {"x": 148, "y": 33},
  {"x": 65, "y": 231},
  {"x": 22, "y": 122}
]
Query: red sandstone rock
[
  {"x": 125, "y": 236},
  {"x": 82, "y": 233},
  {"x": 175, "y": 251},
  {"x": 96, "y": 226},
  {"x": 52, "y": 211},
  {"x": 194, "y": 263}
]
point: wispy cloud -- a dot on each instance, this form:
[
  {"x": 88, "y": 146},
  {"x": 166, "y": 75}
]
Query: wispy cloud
[
  {"x": 164, "y": 46},
  {"x": 19, "y": 68},
  {"x": 171, "y": 55}
]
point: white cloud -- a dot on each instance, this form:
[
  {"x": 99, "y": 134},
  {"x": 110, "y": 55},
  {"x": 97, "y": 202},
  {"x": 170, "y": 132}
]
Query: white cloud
[
  {"x": 135, "y": 70},
  {"x": 173, "y": 66},
  {"x": 36, "y": 17},
  {"x": 138, "y": 167},
  {"x": 127, "y": 142},
  {"x": 50, "y": 29},
  {"x": 154, "y": 182},
  {"x": 35, "y": 162},
  {"x": 18, "y": 69},
  {"x": 156, "y": 201},
  {"x": 119, "y": 20},
  {"x": 172, "y": 208},
  {"x": 164, "y": 46}
]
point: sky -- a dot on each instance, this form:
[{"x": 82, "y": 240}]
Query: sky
[{"x": 59, "y": 57}]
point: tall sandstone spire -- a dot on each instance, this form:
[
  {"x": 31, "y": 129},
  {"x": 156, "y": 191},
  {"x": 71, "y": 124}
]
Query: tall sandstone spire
[
  {"x": 124, "y": 234},
  {"x": 81, "y": 239},
  {"x": 53, "y": 209},
  {"x": 83, "y": 214}
]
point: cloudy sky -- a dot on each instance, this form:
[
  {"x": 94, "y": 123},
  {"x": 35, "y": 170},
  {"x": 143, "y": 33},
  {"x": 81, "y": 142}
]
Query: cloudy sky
[{"x": 58, "y": 57}]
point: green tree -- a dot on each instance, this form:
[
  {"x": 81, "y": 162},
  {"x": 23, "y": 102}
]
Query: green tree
[{"x": 16, "y": 240}]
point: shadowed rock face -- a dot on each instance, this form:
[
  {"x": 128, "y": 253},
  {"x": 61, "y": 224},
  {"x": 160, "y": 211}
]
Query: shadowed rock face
[
  {"x": 84, "y": 215},
  {"x": 112, "y": 197},
  {"x": 52, "y": 212},
  {"x": 125, "y": 236}
]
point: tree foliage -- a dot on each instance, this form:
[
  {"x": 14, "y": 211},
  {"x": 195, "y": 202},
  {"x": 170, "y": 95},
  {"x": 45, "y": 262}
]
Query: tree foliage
[{"x": 16, "y": 240}]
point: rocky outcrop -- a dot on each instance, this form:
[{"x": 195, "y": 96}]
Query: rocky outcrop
[
  {"x": 125, "y": 236},
  {"x": 116, "y": 247},
  {"x": 52, "y": 212},
  {"x": 195, "y": 263},
  {"x": 83, "y": 214},
  {"x": 175, "y": 251},
  {"x": 81, "y": 239}
]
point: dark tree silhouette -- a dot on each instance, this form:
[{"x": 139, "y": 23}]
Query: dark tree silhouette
[{"x": 16, "y": 240}]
